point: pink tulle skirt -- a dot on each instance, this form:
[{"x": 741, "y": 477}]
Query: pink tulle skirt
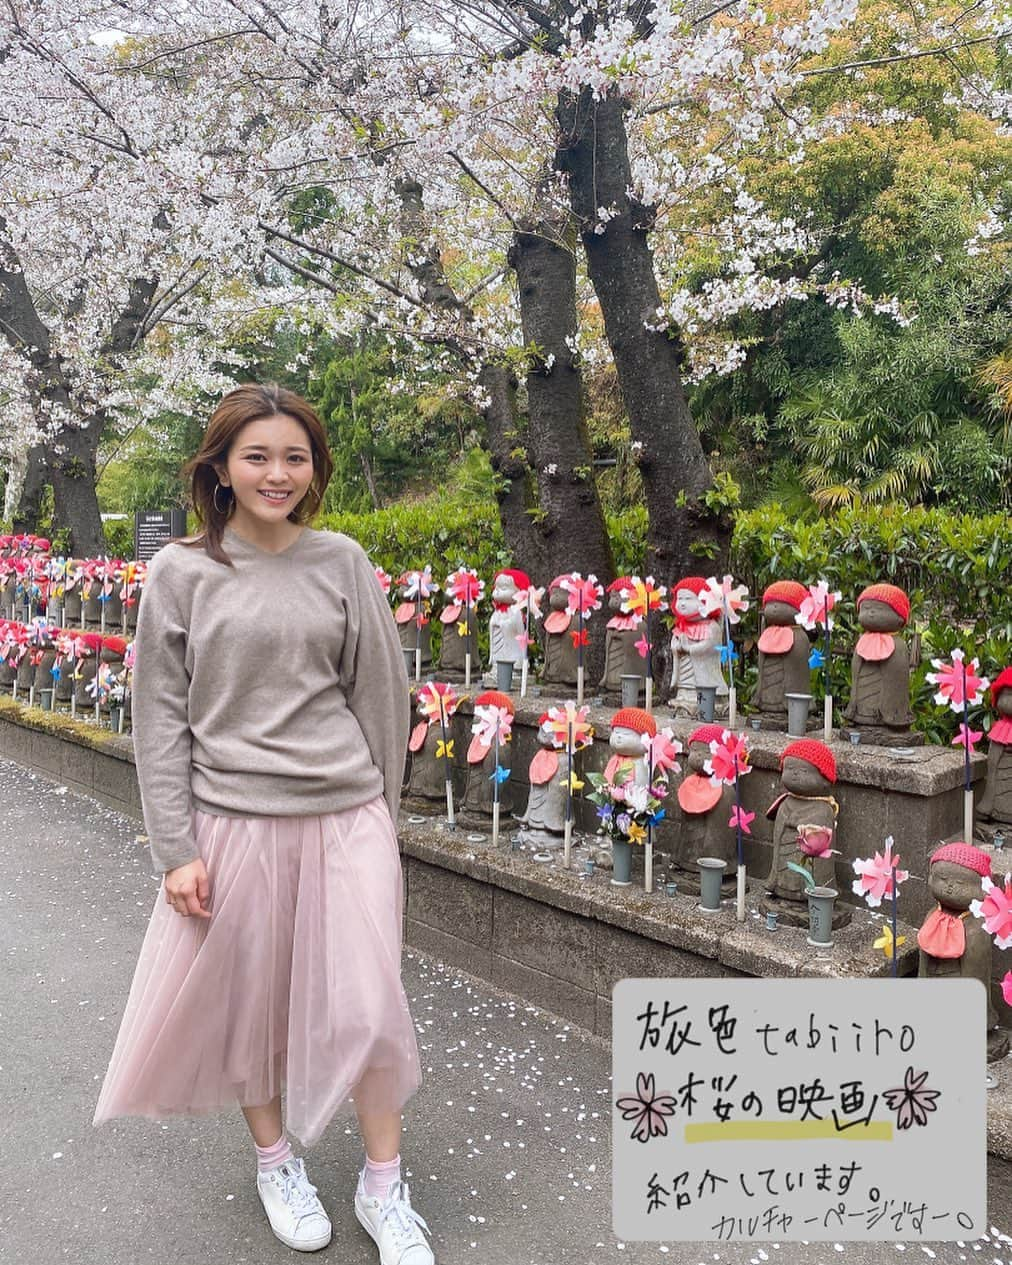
[{"x": 294, "y": 981}]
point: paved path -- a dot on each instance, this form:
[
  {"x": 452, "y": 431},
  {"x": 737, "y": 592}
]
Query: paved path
[{"x": 507, "y": 1142}]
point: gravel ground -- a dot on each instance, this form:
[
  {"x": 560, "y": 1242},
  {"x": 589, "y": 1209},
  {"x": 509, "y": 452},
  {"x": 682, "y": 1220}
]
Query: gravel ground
[{"x": 506, "y": 1145}]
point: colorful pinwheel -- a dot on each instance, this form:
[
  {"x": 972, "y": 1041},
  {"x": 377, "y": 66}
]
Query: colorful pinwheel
[{"x": 996, "y": 910}]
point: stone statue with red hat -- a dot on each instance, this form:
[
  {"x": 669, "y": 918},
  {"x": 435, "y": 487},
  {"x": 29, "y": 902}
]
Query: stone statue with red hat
[
  {"x": 621, "y": 658},
  {"x": 703, "y": 827},
  {"x": 879, "y": 708},
  {"x": 506, "y": 626},
  {"x": 559, "y": 667},
  {"x": 995, "y": 808},
  {"x": 89, "y": 648},
  {"x": 784, "y": 650},
  {"x": 411, "y": 615},
  {"x": 453, "y": 642},
  {"x": 951, "y": 941},
  {"x": 544, "y": 818},
  {"x": 695, "y": 648},
  {"x": 804, "y": 819},
  {"x": 479, "y": 791}
]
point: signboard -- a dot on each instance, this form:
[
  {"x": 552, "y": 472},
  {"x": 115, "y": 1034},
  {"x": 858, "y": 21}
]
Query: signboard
[
  {"x": 799, "y": 1109},
  {"x": 152, "y": 528}
]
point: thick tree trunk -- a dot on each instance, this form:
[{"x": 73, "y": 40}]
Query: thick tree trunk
[
  {"x": 74, "y": 475},
  {"x": 25, "y": 489},
  {"x": 684, "y": 537}
]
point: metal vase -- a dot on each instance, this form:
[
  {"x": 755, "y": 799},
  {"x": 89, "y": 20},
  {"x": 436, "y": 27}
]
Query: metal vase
[
  {"x": 820, "y": 916},
  {"x": 711, "y": 871},
  {"x": 504, "y": 675},
  {"x": 706, "y": 699},
  {"x": 797, "y": 714},
  {"x": 631, "y": 686},
  {"x": 621, "y": 862}
]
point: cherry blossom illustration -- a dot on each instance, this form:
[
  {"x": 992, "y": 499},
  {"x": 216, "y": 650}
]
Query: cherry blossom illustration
[
  {"x": 911, "y": 1101},
  {"x": 996, "y": 910},
  {"x": 647, "y": 1108}
]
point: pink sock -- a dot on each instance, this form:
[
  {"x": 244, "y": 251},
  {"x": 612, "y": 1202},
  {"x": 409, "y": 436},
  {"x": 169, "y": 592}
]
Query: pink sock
[
  {"x": 269, "y": 1157},
  {"x": 378, "y": 1177}
]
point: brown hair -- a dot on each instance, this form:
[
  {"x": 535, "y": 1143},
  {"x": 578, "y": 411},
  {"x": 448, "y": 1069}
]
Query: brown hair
[{"x": 249, "y": 403}]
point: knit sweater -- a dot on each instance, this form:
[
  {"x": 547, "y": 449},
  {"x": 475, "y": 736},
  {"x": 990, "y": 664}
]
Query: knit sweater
[{"x": 273, "y": 688}]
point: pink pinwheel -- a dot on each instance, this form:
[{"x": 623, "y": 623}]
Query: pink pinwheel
[
  {"x": 584, "y": 594},
  {"x": 662, "y": 750},
  {"x": 814, "y": 841},
  {"x": 418, "y": 584},
  {"x": 570, "y": 727},
  {"x": 815, "y": 608},
  {"x": 728, "y": 758},
  {"x": 464, "y": 587},
  {"x": 530, "y": 599},
  {"x": 996, "y": 910},
  {"x": 967, "y": 738},
  {"x": 437, "y": 701},
  {"x": 384, "y": 580},
  {"x": 875, "y": 876},
  {"x": 740, "y": 818},
  {"x": 130, "y": 658},
  {"x": 491, "y": 722},
  {"x": 724, "y": 596},
  {"x": 642, "y": 596},
  {"x": 958, "y": 682}
]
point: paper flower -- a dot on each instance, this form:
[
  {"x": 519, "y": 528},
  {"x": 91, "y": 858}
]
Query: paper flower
[
  {"x": 643, "y": 647},
  {"x": 530, "y": 599},
  {"x": 814, "y": 841},
  {"x": 728, "y": 758},
  {"x": 724, "y": 596},
  {"x": 912, "y": 1101},
  {"x": 491, "y": 721},
  {"x": 642, "y": 596},
  {"x": 384, "y": 580},
  {"x": 1006, "y": 988},
  {"x": 444, "y": 750},
  {"x": 437, "y": 701},
  {"x": 728, "y": 654},
  {"x": 662, "y": 750},
  {"x": 647, "y": 1108},
  {"x": 816, "y": 659},
  {"x": 958, "y": 682},
  {"x": 464, "y": 587},
  {"x": 967, "y": 738},
  {"x": 875, "y": 876},
  {"x": 815, "y": 608},
  {"x": 417, "y": 585},
  {"x": 580, "y": 637},
  {"x": 584, "y": 594},
  {"x": 569, "y": 726},
  {"x": 499, "y": 774},
  {"x": 571, "y": 783},
  {"x": 996, "y": 910},
  {"x": 885, "y": 941},
  {"x": 636, "y": 832},
  {"x": 740, "y": 819}
]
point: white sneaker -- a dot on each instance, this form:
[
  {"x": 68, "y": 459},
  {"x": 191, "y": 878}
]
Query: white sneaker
[
  {"x": 394, "y": 1225},
  {"x": 296, "y": 1215}
]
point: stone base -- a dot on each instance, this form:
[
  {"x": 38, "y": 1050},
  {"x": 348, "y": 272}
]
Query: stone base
[
  {"x": 792, "y": 913},
  {"x": 879, "y": 736},
  {"x": 997, "y": 1044}
]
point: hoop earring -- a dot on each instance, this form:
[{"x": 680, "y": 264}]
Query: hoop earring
[{"x": 214, "y": 498}]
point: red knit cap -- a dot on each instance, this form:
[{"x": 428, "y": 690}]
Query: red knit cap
[
  {"x": 494, "y": 698},
  {"x": 636, "y": 719},
  {"x": 692, "y": 583},
  {"x": 558, "y": 580},
  {"x": 1003, "y": 681},
  {"x": 117, "y": 645},
  {"x": 620, "y": 585},
  {"x": 40, "y": 542},
  {"x": 789, "y": 591},
  {"x": 520, "y": 578},
  {"x": 963, "y": 854},
  {"x": 890, "y": 594},
  {"x": 813, "y": 752},
  {"x": 707, "y": 734}
]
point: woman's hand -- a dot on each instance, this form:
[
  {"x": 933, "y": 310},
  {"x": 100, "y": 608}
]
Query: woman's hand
[{"x": 188, "y": 891}]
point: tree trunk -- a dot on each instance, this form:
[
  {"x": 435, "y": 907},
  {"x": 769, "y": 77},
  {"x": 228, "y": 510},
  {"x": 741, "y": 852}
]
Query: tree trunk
[
  {"x": 26, "y": 486},
  {"x": 570, "y": 521},
  {"x": 684, "y": 536},
  {"x": 74, "y": 476}
]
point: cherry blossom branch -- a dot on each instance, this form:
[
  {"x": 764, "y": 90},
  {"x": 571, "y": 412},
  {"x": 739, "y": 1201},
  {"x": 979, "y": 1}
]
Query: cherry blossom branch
[{"x": 885, "y": 61}]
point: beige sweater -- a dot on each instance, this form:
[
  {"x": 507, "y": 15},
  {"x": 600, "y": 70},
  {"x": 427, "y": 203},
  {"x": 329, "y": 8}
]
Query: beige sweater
[{"x": 274, "y": 688}]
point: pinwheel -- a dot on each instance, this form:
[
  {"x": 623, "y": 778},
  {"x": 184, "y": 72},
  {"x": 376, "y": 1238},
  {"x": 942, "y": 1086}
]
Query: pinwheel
[
  {"x": 464, "y": 588},
  {"x": 584, "y": 598},
  {"x": 731, "y": 601},
  {"x": 879, "y": 878},
  {"x": 813, "y": 613},
  {"x": 996, "y": 910},
  {"x": 728, "y": 763},
  {"x": 571, "y": 731},
  {"x": 959, "y": 686},
  {"x": 418, "y": 587},
  {"x": 493, "y": 724},
  {"x": 643, "y": 597},
  {"x": 384, "y": 579},
  {"x": 437, "y": 701}
]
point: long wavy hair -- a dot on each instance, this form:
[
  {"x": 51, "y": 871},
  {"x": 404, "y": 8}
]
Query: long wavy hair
[{"x": 249, "y": 403}]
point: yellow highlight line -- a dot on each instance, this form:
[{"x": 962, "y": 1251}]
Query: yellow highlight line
[{"x": 786, "y": 1131}]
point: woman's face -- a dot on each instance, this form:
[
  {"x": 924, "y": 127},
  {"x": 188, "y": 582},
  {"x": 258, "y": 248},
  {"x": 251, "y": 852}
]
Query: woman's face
[{"x": 269, "y": 455}]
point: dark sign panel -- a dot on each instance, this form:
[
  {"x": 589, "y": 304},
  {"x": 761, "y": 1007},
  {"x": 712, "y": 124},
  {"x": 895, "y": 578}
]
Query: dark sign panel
[{"x": 152, "y": 528}]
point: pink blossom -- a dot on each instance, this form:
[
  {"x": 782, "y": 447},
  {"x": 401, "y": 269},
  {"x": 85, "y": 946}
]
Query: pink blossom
[
  {"x": 957, "y": 682},
  {"x": 662, "y": 750},
  {"x": 643, "y": 646},
  {"x": 739, "y": 817},
  {"x": 584, "y": 594},
  {"x": 728, "y": 758},
  {"x": 815, "y": 608},
  {"x": 967, "y": 738},
  {"x": 996, "y": 910},
  {"x": 724, "y": 596},
  {"x": 876, "y": 876},
  {"x": 464, "y": 587},
  {"x": 814, "y": 841}
]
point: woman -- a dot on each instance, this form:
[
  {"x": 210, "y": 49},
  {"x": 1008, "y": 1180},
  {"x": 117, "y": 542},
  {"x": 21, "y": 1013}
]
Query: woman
[{"x": 270, "y": 724}]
